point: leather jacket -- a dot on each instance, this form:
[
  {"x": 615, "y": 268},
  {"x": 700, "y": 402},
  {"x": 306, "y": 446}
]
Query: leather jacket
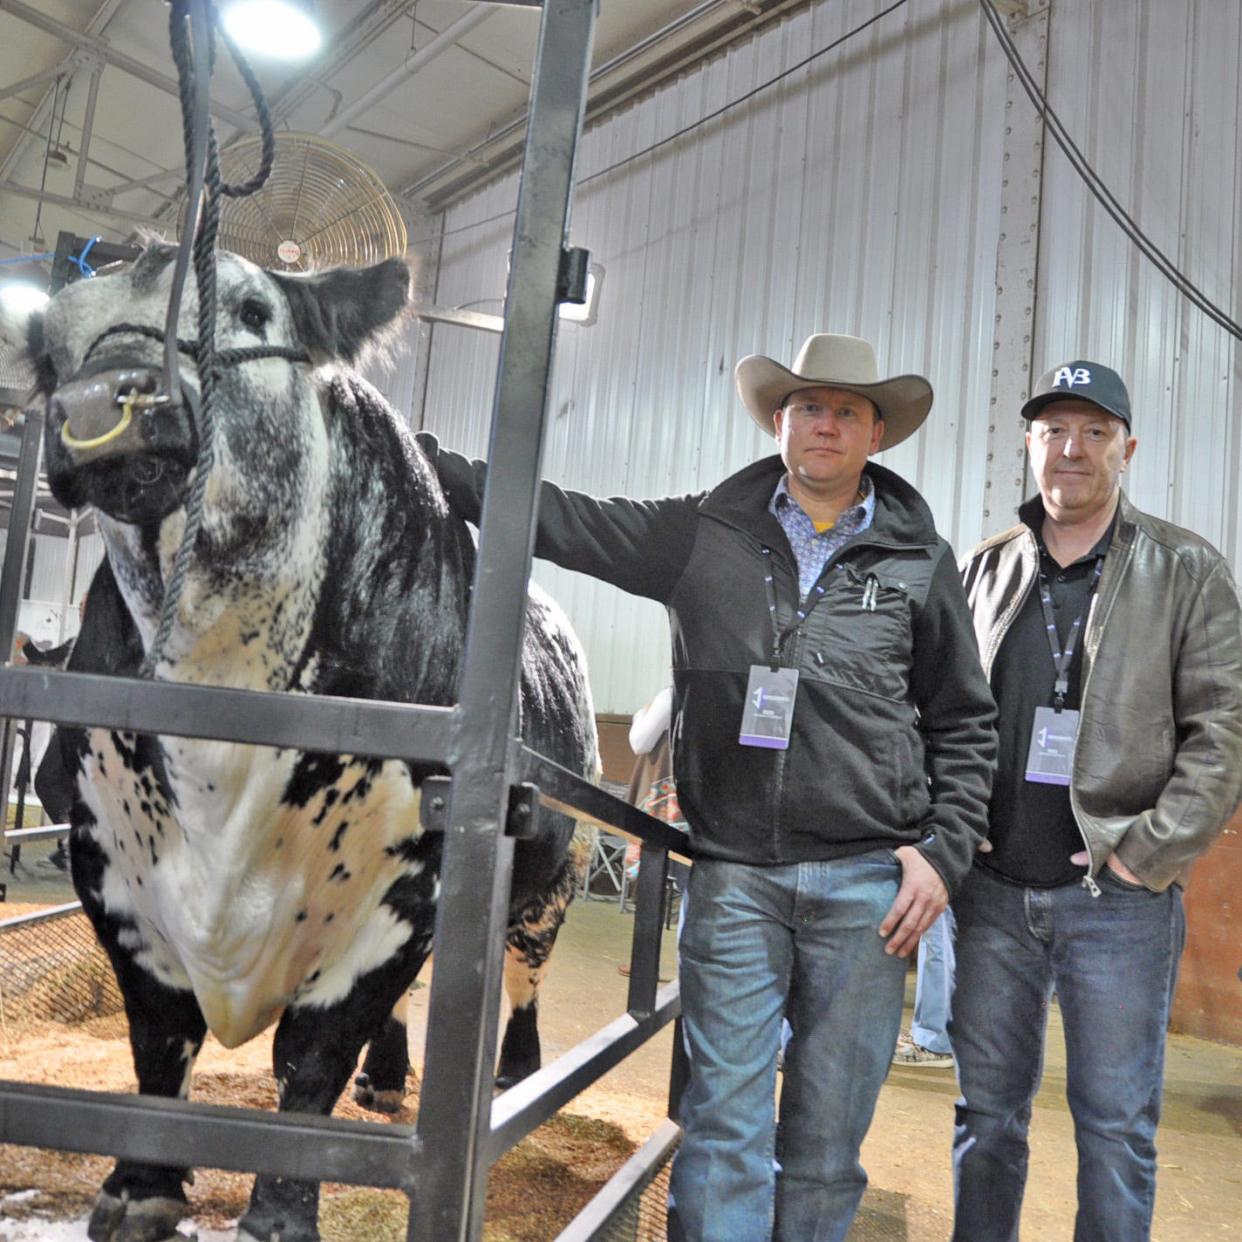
[{"x": 1158, "y": 767}]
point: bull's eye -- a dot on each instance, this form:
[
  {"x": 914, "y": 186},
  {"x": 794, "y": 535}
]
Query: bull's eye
[{"x": 254, "y": 314}]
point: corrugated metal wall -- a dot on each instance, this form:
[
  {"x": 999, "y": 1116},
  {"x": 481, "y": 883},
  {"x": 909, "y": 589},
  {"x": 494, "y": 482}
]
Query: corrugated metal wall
[
  {"x": 1153, "y": 94},
  {"x": 859, "y": 195}
]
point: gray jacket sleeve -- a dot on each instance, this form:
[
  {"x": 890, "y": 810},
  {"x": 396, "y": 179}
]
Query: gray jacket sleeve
[{"x": 1206, "y": 784}]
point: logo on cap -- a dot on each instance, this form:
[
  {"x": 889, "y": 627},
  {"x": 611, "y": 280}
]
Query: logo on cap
[{"x": 1067, "y": 378}]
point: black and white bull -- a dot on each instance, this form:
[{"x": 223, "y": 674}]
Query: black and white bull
[{"x": 235, "y": 886}]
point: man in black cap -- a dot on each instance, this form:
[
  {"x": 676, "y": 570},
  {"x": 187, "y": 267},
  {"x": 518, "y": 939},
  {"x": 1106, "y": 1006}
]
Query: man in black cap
[{"x": 1113, "y": 644}]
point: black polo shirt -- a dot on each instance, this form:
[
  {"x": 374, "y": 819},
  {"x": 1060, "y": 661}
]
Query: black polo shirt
[{"x": 1032, "y": 827}]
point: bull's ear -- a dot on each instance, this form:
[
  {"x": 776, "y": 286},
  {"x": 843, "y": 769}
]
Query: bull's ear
[
  {"x": 338, "y": 313},
  {"x": 21, "y": 332}
]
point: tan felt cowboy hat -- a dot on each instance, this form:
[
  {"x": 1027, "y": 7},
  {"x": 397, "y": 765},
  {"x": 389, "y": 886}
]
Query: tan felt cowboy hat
[{"x": 831, "y": 361}]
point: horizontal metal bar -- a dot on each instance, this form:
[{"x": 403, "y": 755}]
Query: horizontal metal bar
[
  {"x": 463, "y": 318},
  {"x": 528, "y": 1105},
  {"x": 46, "y": 833},
  {"x": 631, "y": 1179},
  {"x": 177, "y": 1132},
  {"x": 309, "y": 722},
  {"x": 575, "y": 795},
  {"x": 41, "y": 916}
]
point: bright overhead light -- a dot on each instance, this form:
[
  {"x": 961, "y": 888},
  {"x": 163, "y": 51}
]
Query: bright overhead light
[
  {"x": 282, "y": 29},
  {"x": 22, "y": 298}
]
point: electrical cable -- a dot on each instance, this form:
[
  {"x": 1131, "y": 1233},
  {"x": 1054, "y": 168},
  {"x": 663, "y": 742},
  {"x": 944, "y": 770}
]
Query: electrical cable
[
  {"x": 1099, "y": 190},
  {"x": 681, "y": 133}
]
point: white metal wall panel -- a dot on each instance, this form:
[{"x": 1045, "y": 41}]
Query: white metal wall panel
[
  {"x": 857, "y": 195},
  {"x": 1152, "y": 94}
]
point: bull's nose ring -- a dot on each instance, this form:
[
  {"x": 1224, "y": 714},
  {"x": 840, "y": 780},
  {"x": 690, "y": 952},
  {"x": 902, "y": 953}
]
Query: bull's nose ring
[{"x": 127, "y": 416}]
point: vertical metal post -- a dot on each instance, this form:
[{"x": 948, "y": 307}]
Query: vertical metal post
[
  {"x": 455, "y": 1110},
  {"x": 13, "y": 572},
  {"x": 1017, "y": 276}
]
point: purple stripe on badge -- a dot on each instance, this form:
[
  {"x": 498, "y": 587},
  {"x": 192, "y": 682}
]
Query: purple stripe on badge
[
  {"x": 1047, "y": 778},
  {"x": 768, "y": 743}
]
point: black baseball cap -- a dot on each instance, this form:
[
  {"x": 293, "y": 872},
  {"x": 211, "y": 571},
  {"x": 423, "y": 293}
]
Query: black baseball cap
[{"x": 1081, "y": 381}]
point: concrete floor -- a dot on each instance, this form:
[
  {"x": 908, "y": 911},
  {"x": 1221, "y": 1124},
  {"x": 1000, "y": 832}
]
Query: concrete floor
[{"x": 907, "y": 1151}]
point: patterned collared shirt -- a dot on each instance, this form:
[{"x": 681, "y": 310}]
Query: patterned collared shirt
[{"x": 812, "y": 548}]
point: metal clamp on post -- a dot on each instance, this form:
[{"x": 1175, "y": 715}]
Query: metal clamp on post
[
  {"x": 433, "y": 803},
  {"x": 522, "y": 821},
  {"x": 571, "y": 280}
]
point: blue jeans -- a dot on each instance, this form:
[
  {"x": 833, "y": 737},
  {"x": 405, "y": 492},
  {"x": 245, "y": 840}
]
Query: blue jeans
[
  {"x": 757, "y": 942},
  {"x": 1112, "y": 961},
  {"x": 933, "y": 989}
]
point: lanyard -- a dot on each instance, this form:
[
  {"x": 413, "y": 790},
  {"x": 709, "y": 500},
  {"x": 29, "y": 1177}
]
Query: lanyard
[
  {"x": 800, "y": 613},
  {"x": 1062, "y": 659}
]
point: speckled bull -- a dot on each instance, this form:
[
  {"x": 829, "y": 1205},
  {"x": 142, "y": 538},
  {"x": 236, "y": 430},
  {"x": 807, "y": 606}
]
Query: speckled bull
[{"x": 238, "y": 886}]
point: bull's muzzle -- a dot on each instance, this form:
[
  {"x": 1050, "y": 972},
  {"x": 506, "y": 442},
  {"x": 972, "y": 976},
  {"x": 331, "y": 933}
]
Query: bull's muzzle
[{"x": 108, "y": 413}]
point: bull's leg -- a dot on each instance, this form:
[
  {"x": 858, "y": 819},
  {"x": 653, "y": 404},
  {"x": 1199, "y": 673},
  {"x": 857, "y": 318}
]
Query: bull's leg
[
  {"x": 144, "y": 1202},
  {"x": 381, "y": 1085},
  {"x": 138, "y": 1202},
  {"x": 527, "y": 950},
  {"x": 314, "y": 1053}
]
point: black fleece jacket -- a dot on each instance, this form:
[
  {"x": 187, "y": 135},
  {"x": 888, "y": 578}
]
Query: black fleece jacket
[{"x": 893, "y": 731}]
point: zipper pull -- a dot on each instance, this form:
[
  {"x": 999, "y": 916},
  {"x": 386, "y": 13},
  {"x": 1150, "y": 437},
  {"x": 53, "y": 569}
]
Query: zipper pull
[{"x": 1090, "y": 885}]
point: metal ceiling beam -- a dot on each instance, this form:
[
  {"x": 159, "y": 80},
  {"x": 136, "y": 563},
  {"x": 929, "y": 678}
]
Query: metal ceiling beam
[
  {"x": 441, "y": 43},
  {"x": 127, "y": 64},
  {"x": 95, "y": 202},
  {"x": 26, "y": 83},
  {"x": 733, "y": 20},
  {"x": 97, "y": 25},
  {"x": 88, "y": 126}
]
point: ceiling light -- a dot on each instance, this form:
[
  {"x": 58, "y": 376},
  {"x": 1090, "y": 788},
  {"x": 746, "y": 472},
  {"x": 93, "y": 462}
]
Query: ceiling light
[
  {"x": 21, "y": 298},
  {"x": 282, "y": 29}
]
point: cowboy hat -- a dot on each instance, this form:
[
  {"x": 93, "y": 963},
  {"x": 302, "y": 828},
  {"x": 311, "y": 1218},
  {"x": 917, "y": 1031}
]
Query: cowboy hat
[{"x": 831, "y": 361}]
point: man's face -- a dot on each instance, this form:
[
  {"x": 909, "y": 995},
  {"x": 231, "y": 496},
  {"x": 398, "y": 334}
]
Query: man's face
[
  {"x": 1078, "y": 453},
  {"x": 826, "y": 435}
]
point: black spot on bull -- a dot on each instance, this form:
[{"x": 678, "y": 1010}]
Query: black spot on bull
[{"x": 327, "y": 563}]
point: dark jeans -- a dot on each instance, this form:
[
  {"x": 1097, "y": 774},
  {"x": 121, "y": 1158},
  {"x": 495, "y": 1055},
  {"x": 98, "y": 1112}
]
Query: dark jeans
[{"x": 1112, "y": 961}]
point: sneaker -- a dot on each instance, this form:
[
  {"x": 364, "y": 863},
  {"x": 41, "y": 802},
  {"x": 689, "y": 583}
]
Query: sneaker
[{"x": 908, "y": 1052}]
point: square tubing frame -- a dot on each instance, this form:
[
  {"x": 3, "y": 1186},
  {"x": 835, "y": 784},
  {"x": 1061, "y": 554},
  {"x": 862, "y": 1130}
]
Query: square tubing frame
[
  {"x": 454, "y": 1123},
  {"x": 444, "y": 1163}
]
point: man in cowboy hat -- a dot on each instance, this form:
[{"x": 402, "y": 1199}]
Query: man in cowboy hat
[
  {"x": 1114, "y": 646},
  {"x": 833, "y": 745}
]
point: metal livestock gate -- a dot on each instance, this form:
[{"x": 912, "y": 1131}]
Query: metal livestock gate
[{"x": 494, "y": 791}]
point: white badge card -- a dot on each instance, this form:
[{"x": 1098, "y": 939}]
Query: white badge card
[
  {"x": 767, "y": 718},
  {"x": 1050, "y": 759}
]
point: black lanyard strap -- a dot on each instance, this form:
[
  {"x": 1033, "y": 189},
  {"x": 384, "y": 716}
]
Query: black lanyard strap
[
  {"x": 1062, "y": 659},
  {"x": 780, "y": 636}
]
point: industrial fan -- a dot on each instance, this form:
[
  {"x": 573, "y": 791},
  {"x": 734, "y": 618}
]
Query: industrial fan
[{"x": 321, "y": 207}]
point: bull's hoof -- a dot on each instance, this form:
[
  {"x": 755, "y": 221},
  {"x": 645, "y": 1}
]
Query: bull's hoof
[
  {"x": 376, "y": 1100},
  {"x": 510, "y": 1076},
  {"x": 134, "y": 1220}
]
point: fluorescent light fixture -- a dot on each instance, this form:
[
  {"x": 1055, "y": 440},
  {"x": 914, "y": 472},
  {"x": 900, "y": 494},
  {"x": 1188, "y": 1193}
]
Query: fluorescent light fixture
[
  {"x": 21, "y": 298},
  {"x": 281, "y": 29}
]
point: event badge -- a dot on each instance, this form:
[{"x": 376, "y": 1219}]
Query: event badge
[
  {"x": 1051, "y": 757},
  {"x": 767, "y": 718}
]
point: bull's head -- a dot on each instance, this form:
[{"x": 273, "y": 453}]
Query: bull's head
[{"x": 108, "y": 444}]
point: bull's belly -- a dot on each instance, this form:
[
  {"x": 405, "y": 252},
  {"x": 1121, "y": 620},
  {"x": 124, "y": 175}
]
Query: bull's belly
[{"x": 238, "y": 894}]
